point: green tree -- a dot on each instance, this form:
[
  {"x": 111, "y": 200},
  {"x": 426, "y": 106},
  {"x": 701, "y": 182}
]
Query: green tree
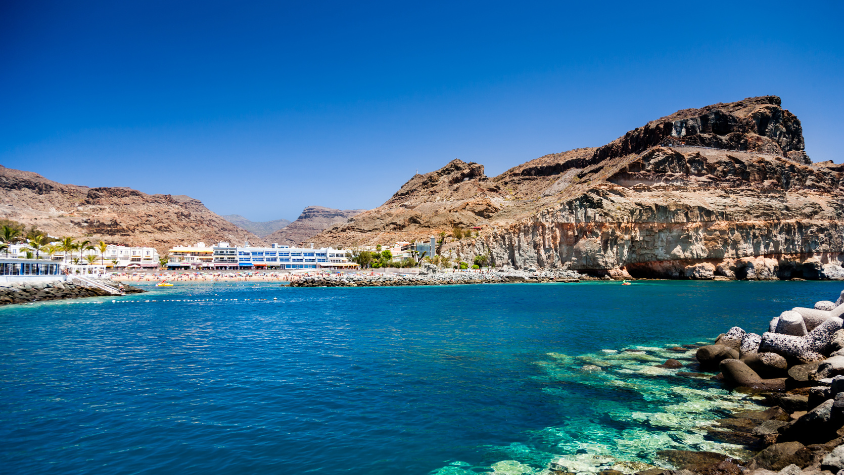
[
  {"x": 386, "y": 255},
  {"x": 378, "y": 248},
  {"x": 363, "y": 258},
  {"x": 464, "y": 265},
  {"x": 67, "y": 246},
  {"x": 482, "y": 260},
  {"x": 91, "y": 258},
  {"x": 102, "y": 247},
  {"x": 83, "y": 246},
  {"x": 36, "y": 244},
  {"x": 457, "y": 233}
]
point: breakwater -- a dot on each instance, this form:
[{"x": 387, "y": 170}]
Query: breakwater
[
  {"x": 798, "y": 366},
  {"x": 430, "y": 276},
  {"x": 27, "y": 292}
]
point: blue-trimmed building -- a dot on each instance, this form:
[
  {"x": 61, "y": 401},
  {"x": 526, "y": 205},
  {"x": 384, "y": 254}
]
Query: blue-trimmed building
[{"x": 279, "y": 257}]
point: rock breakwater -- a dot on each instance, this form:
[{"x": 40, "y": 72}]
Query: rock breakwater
[
  {"x": 430, "y": 276},
  {"x": 798, "y": 366},
  {"x": 28, "y": 292}
]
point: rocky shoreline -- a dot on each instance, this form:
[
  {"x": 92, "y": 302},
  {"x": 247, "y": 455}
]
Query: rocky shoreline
[
  {"x": 29, "y": 292},
  {"x": 431, "y": 276},
  {"x": 798, "y": 367}
]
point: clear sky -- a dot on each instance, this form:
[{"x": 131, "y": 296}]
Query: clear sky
[{"x": 263, "y": 108}]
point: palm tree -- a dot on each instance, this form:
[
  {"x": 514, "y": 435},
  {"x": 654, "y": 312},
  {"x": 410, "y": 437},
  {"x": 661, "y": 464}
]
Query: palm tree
[
  {"x": 102, "y": 247},
  {"x": 4, "y": 247},
  {"x": 67, "y": 246},
  {"x": 9, "y": 236},
  {"x": 51, "y": 249},
  {"x": 84, "y": 246},
  {"x": 91, "y": 259},
  {"x": 36, "y": 245}
]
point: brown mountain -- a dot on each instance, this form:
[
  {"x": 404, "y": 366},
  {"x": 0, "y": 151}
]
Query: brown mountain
[
  {"x": 258, "y": 228},
  {"x": 115, "y": 215},
  {"x": 722, "y": 190},
  {"x": 311, "y": 222}
]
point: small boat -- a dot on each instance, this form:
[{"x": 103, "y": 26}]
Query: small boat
[
  {"x": 164, "y": 284},
  {"x": 624, "y": 282}
]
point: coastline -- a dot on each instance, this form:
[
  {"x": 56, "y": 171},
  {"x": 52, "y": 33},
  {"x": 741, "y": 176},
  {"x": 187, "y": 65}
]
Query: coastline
[{"x": 30, "y": 292}]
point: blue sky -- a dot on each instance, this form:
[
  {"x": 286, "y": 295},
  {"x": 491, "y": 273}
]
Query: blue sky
[{"x": 261, "y": 109}]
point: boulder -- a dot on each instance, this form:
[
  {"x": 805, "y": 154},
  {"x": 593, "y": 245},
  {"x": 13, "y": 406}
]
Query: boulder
[
  {"x": 837, "y": 342},
  {"x": 816, "y": 426},
  {"x": 772, "y": 327},
  {"x": 778, "y": 456},
  {"x": 732, "y": 338},
  {"x": 834, "y": 461},
  {"x": 791, "y": 323},
  {"x": 738, "y": 373},
  {"x": 833, "y": 366},
  {"x": 772, "y": 365},
  {"x": 711, "y": 355},
  {"x": 803, "y": 372},
  {"x": 825, "y": 305},
  {"x": 671, "y": 364}
]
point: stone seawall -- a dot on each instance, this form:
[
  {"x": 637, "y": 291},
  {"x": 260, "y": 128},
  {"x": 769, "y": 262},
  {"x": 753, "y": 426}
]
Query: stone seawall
[
  {"x": 25, "y": 292},
  {"x": 432, "y": 276}
]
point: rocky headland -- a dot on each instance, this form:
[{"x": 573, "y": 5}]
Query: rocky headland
[
  {"x": 29, "y": 292},
  {"x": 723, "y": 191}
]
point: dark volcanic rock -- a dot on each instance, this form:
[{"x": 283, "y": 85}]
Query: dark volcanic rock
[{"x": 778, "y": 456}]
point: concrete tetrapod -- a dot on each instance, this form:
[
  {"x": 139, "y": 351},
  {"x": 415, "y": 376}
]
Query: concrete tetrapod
[
  {"x": 791, "y": 323},
  {"x": 806, "y": 349}
]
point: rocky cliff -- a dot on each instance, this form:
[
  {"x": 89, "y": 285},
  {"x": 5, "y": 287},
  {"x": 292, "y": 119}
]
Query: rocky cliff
[
  {"x": 258, "y": 228},
  {"x": 311, "y": 222},
  {"x": 726, "y": 190},
  {"x": 115, "y": 215}
]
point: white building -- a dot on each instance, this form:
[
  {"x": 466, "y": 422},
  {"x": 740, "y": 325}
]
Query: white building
[
  {"x": 115, "y": 257},
  {"x": 277, "y": 257}
]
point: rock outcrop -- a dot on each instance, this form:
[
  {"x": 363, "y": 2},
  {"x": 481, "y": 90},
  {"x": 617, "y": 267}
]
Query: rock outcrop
[
  {"x": 115, "y": 215},
  {"x": 311, "y": 222},
  {"x": 258, "y": 228},
  {"x": 725, "y": 191}
]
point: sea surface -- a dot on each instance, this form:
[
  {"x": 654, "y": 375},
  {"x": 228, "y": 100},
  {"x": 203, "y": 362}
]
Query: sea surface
[{"x": 258, "y": 378}]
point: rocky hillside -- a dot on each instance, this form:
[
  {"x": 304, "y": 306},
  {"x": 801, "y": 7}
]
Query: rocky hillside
[
  {"x": 311, "y": 222},
  {"x": 726, "y": 190},
  {"x": 115, "y": 215},
  {"x": 258, "y": 228}
]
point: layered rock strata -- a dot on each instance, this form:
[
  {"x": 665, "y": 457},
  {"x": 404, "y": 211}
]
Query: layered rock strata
[
  {"x": 723, "y": 191},
  {"x": 311, "y": 222}
]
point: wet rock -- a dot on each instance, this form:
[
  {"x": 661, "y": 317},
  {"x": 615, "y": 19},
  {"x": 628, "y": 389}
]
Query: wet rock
[
  {"x": 780, "y": 455},
  {"x": 710, "y": 356},
  {"x": 803, "y": 372},
  {"x": 671, "y": 364},
  {"x": 790, "y": 402},
  {"x": 738, "y": 373},
  {"x": 689, "y": 460},
  {"x": 817, "y": 426}
]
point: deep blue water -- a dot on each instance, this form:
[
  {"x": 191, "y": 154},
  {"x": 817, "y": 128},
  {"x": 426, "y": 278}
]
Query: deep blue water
[{"x": 454, "y": 379}]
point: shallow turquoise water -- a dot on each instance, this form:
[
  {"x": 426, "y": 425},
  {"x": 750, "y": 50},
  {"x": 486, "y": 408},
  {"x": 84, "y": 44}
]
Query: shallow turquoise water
[{"x": 455, "y": 379}]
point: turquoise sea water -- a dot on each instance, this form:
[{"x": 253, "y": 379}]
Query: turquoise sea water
[{"x": 453, "y": 379}]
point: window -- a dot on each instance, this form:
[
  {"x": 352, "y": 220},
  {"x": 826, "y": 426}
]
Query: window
[
  {"x": 297, "y": 260},
  {"x": 284, "y": 254},
  {"x": 287, "y": 259},
  {"x": 310, "y": 260},
  {"x": 309, "y": 254},
  {"x": 320, "y": 254},
  {"x": 272, "y": 259},
  {"x": 322, "y": 260},
  {"x": 255, "y": 253},
  {"x": 295, "y": 253},
  {"x": 269, "y": 253}
]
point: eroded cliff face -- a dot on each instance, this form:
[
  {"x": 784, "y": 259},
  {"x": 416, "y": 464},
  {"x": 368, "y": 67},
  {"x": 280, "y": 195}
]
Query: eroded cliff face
[
  {"x": 725, "y": 190},
  {"x": 115, "y": 215}
]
